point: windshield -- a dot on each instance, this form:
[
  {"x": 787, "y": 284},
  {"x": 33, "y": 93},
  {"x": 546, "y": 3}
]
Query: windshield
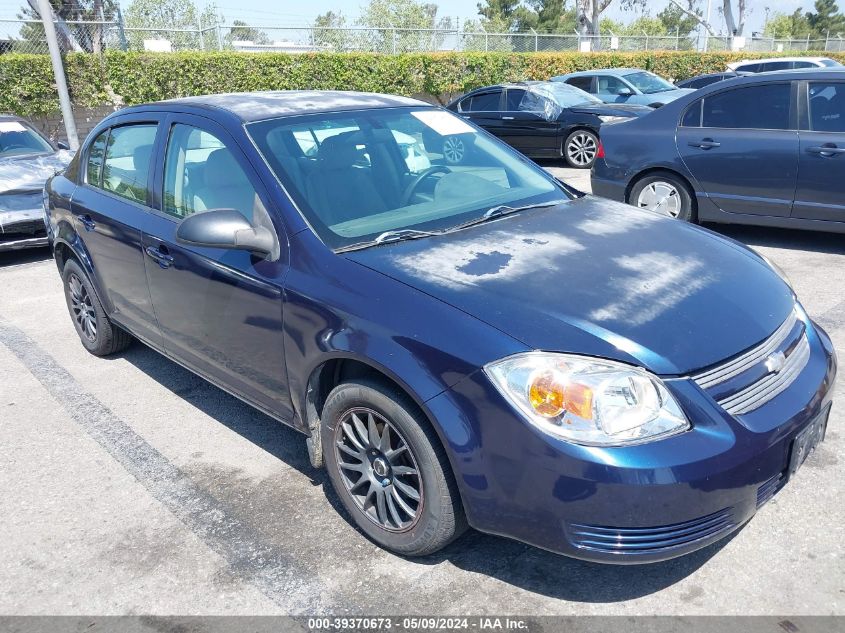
[
  {"x": 648, "y": 83},
  {"x": 17, "y": 139},
  {"x": 563, "y": 94},
  {"x": 356, "y": 175},
  {"x": 829, "y": 62}
]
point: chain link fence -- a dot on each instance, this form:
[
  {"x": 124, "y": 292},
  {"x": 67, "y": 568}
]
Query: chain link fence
[{"x": 27, "y": 36}]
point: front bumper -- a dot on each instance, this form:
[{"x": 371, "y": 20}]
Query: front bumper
[
  {"x": 22, "y": 229},
  {"x": 635, "y": 504}
]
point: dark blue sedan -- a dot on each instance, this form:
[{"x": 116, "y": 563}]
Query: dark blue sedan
[
  {"x": 763, "y": 149},
  {"x": 470, "y": 344}
]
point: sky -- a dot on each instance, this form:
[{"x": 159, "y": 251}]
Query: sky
[
  {"x": 302, "y": 13},
  {"x": 287, "y": 13}
]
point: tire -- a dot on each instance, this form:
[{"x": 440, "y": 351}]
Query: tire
[
  {"x": 454, "y": 149},
  {"x": 580, "y": 149},
  {"x": 664, "y": 192},
  {"x": 96, "y": 332},
  {"x": 420, "y": 527}
]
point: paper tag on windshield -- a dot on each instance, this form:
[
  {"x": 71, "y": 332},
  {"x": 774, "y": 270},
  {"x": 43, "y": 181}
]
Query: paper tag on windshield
[
  {"x": 442, "y": 122},
  {"x": 12, "y": 126}
]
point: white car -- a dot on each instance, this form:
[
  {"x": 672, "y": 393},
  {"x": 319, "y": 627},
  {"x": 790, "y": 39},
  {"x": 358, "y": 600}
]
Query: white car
[{"x": 781, "y": 63}]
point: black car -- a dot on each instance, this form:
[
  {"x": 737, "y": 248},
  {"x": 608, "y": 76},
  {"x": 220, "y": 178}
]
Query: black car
[
  {"x": 705, "y": 80},
  {"x": 766, "y": 149},
  {"x": 542, "y": 119},
  {"x": 27, "y": 160}
]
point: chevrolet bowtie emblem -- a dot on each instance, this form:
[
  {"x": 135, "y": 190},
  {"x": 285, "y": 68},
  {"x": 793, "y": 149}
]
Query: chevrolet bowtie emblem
[{"x": 775, "y": 362}]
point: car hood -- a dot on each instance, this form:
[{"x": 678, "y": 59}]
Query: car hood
[
  {"x": 599, "y": 278},
  {"x": 669, "y": 95},
  {"x": 613, "y": 109},
  {"x": 29, "y": 173}
]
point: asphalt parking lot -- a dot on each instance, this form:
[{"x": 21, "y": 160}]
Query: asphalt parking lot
[{"x": 130, "y": 486}]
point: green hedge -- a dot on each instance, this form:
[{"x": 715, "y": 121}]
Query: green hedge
[{"x": 127, "y": 78}]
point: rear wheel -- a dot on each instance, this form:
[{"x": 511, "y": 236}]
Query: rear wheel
[
  {"x": 580, "y": 149},
  {"x": 664, "y": 193},
  {"x": 389, "y": 469},
  {"x": 96, "y": 332}
]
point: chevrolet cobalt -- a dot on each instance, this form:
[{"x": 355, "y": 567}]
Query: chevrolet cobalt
[{"x": 460, "y": 345}]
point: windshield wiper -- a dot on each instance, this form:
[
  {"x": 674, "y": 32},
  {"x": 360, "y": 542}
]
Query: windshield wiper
[
  {"x": 388, "y": 237},
  {"x": 502, "y": 210}
]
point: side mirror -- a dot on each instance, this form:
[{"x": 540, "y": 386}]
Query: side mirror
[
  {"x": 62, "y": 145},
  {"x": 226, "y": 228},
  {"x": 625, "y": 92}
]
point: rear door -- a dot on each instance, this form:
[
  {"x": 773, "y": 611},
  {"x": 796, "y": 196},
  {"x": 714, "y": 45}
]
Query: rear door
[
  {"x": 219, "y": 310},
  {"x": 484, "y": 109},
  {"x": 821, "y": 163},
  {"x": 741, "y": 145},
  {"x": 110, "y": 207},
  {"x": 527, "y": 129}
]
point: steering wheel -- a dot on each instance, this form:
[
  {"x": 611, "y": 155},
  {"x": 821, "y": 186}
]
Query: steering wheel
[{"x": 426, "y": 173}]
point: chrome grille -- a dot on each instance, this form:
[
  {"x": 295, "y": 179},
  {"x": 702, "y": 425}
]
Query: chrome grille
[
  {"x": 789, "y": 342},
  {"x": 744, "y": 362}
]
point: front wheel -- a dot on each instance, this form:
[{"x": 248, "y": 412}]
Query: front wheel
[
  {"x": 389, "y": 469},
  {"x": 663, "y": 193},
  {"x": 580, "y": 149}
]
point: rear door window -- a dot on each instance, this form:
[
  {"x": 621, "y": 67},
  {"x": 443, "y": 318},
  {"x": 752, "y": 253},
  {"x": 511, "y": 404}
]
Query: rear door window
[
  {"x": 826, "y": 106},
  {"x": 94, "y": 166},
  {"x": 764, "y": 107},
  {"x": 584, "y": 83},
  {"x": 485, "y": 102},
  {"x": 611, "y": 85},
  {"x": 126, "y": 167},
  {"x": 770, "y": 66}
]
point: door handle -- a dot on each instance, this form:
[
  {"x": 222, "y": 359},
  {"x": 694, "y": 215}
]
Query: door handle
[
  {"x": 507, "y": 118},
  {"x": 827, "y": 150},
  {"x": 87, "y": 223},
  {"x": 706, "y": 143},
  {"x": 162, "y": 258}
]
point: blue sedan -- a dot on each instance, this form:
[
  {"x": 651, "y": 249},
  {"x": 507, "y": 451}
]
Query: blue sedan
[
  {"x": 625, "y": 85},
  {"x": 762, "y": 149},
  {"x": 459, "y": 345}
]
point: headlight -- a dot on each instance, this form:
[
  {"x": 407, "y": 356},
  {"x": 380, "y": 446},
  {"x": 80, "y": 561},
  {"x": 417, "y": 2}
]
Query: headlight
[
  {"x": 778, "y": 270},
  {"x": 588, "y": 400},
  {"x": 608, "y": 118}
]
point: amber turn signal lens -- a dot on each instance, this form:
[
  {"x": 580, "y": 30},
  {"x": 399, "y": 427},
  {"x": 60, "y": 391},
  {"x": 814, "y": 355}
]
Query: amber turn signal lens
[
  {"x": 550, "y": 395},
  {"x": 546, "y": 393}
]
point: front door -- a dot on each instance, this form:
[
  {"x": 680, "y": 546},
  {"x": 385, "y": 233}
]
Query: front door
[
  {"x": 220, "y": 311},
  {"x": 821, "y": 162},
  {"x": 741, "y": 145},
  {"x": 524, "y": 125},
  {"x": 110, "y": 208}
]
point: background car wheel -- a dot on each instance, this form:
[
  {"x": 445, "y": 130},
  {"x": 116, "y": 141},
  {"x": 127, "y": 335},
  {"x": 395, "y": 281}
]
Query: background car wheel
[
  {"x": 665, "y": 193},
  {"x": 454, "y": 149},
  {"x": 580, "y": 149},
  {"x": 96, "y": 332},
  {"x": 389, "y": 469}
]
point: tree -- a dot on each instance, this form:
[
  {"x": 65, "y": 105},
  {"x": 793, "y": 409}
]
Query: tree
[
  {"x": 787, "y": 26},
  {"x": 677, "y": 21},
  {"x": 330, "y": 32},
  {"x": 645, "y": 25},
  {"x": 241, "y": 32},
  {"x": 589, "y": 13},
  {"x": 826, "y": 19},
  {"x": 72, "y": 37},
  {"x": 501, "y": 12},
  {"x": 166, "y": 17},
  {"x": 545, "y": 16},
  {"x": 399, "y": 25},
  {"x": 734, "y": 20}
]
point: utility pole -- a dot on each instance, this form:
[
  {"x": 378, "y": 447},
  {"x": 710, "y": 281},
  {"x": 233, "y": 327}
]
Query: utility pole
[{"x": 59, "y": 73}]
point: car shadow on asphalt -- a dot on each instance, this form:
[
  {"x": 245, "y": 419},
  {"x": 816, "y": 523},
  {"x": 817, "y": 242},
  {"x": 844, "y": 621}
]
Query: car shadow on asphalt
[
  {"x": 817, "y": 241},
  {"x": 27, "y": 256},
  {"x": 509, "y": 561}
]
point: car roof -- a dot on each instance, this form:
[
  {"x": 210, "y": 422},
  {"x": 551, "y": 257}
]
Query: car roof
[
  {"x": 4, "y": 116},
  {"x": 257, "y": 106},
  {"x": 797, "y": 58},
  {"x": 748, "y": 79},
  {"x": 605, "y": 71}
]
